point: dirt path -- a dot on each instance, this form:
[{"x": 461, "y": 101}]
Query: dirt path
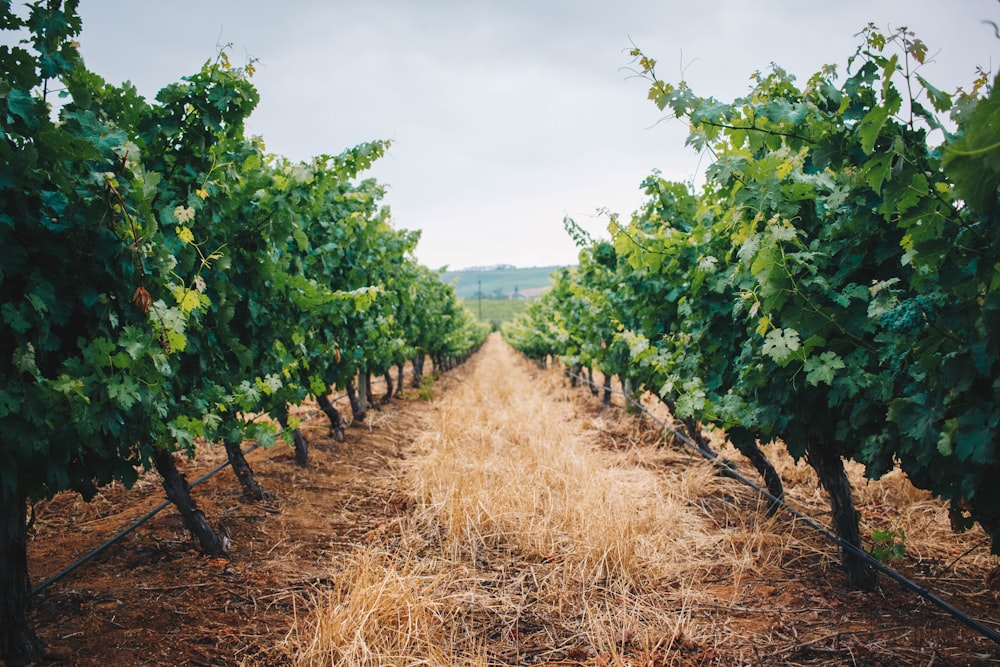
[{"x": 509, "y": 521}]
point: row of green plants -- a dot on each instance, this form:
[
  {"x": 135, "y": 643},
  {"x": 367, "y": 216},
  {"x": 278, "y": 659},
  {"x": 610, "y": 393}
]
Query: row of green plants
[
  {"x": 165, "y": 280},
  {"x": 834, "y": 285}
]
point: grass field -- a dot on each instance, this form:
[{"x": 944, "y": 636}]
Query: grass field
[
  {"x": 496, "y": 311},
  {"x": 499, "y": 282}
]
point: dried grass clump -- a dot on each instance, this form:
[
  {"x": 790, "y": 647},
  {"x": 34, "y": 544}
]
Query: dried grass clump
[
  {"x": 381, "y": 610},
  {"x": 620, "y": 625}
]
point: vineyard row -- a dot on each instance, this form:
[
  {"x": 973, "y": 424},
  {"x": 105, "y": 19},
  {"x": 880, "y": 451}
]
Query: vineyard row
[
  {"x": 166, "y": 280},
  {"x": 833, "y": 286}
]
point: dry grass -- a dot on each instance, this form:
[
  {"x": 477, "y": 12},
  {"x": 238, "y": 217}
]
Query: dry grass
[
  {"x": 529, "y": 540},
  {"x": 381, "y": 610},
  {"x": 542, "y": 531},
  {"x": 505, "y": 465}
]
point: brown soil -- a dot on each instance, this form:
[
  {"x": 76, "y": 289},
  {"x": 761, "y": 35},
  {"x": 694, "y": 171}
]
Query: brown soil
[{"x": 153, "y": 599}]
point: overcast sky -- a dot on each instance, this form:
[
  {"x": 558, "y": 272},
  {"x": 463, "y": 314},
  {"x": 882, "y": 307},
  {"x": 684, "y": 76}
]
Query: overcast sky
[{"x": 505, "y": 115}]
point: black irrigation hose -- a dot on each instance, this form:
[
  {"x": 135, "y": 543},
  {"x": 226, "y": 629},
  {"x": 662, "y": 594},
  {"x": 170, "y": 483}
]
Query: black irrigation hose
[
  {"x": 99, "y": 550},
  {"x": 153, "y": 512},
  {"x": 156, "y": 510},
  {"x": 860, "y": 553},
  {"x": 121, "y": 535}
]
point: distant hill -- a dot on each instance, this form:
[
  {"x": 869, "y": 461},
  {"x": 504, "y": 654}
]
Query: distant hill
[{"x": 499, "y": 282}]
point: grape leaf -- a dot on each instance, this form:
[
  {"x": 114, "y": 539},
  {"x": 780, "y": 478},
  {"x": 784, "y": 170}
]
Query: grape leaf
[
  {"x": 823, "y": 368},
  {"x": 781, "y": 344}
]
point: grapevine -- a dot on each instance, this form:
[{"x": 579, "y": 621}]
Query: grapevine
[
  {"x": 831, "y": 286},
  {"x": 166, "y": 281}
]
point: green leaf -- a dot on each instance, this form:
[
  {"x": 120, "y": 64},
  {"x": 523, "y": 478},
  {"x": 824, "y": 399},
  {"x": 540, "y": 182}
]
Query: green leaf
[
  {"x": 24, "y": 360},
  {"x": 135, "y": 341},
  {"x": 945, "y": 446},
  {"x": 823, "y": 368},
  {"x": 915, "y": 418},
  {"x": 102, "y": 136},
  {"x": 22, "y": 105},
  {"x": 878, "y": 170},
  {"x": 870, "y": 127},
  {"x": 14, "y": 318},
  {"x": 940, "y": 100},
  {"x": 177, "y": 341},
  {"x": 781, "y": 344},
  {"x": 912, "y": 195},
  {"x": 972, "y": 161},
  {"x": 973, "y": 437},
  {"x": 363, "y": 299},
  {"x": 123, "y": 390},
  {"x": 185, "y": 430},
  {"x": 265, "y": 434},
  {"x": 301, "y": 240}
]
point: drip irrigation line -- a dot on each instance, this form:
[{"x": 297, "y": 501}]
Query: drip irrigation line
[
  {"x": 149, "y": 515},
  {"x": 730, "y": 471},
  {"x": 124, "y": 532},
  {"x": 99, "y": 550},
  {"x": 156, "y": 510}
]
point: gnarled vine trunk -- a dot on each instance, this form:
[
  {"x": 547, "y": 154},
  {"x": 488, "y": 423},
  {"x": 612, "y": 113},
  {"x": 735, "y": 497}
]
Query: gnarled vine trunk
[
  {"x": 252, "y": 490},
  {"x": 767, "y": 472},
  {"x": 829, "y": 466},
  {"x": 336, "y": 421},
  {"x": 387, "y": 396},
  {"x": 18, "y": 642},
  {"x": 299, "y": 442},
  {"x": 399, "y": 381},
  {"x": 606, "y": 400},
  {"x": 573, "y": 373},
  {"x": 358, "y": 408},
  {"x": 418, "y": 371},
  {"x": 365, "y": 391},
  {"x": 179, "y": 493},
  {"x": 697, "y": 436},
  {"x": 372, "y": 401},
  {"x": 628, "y": 388},
  {"x": 746, "y": 443}
]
